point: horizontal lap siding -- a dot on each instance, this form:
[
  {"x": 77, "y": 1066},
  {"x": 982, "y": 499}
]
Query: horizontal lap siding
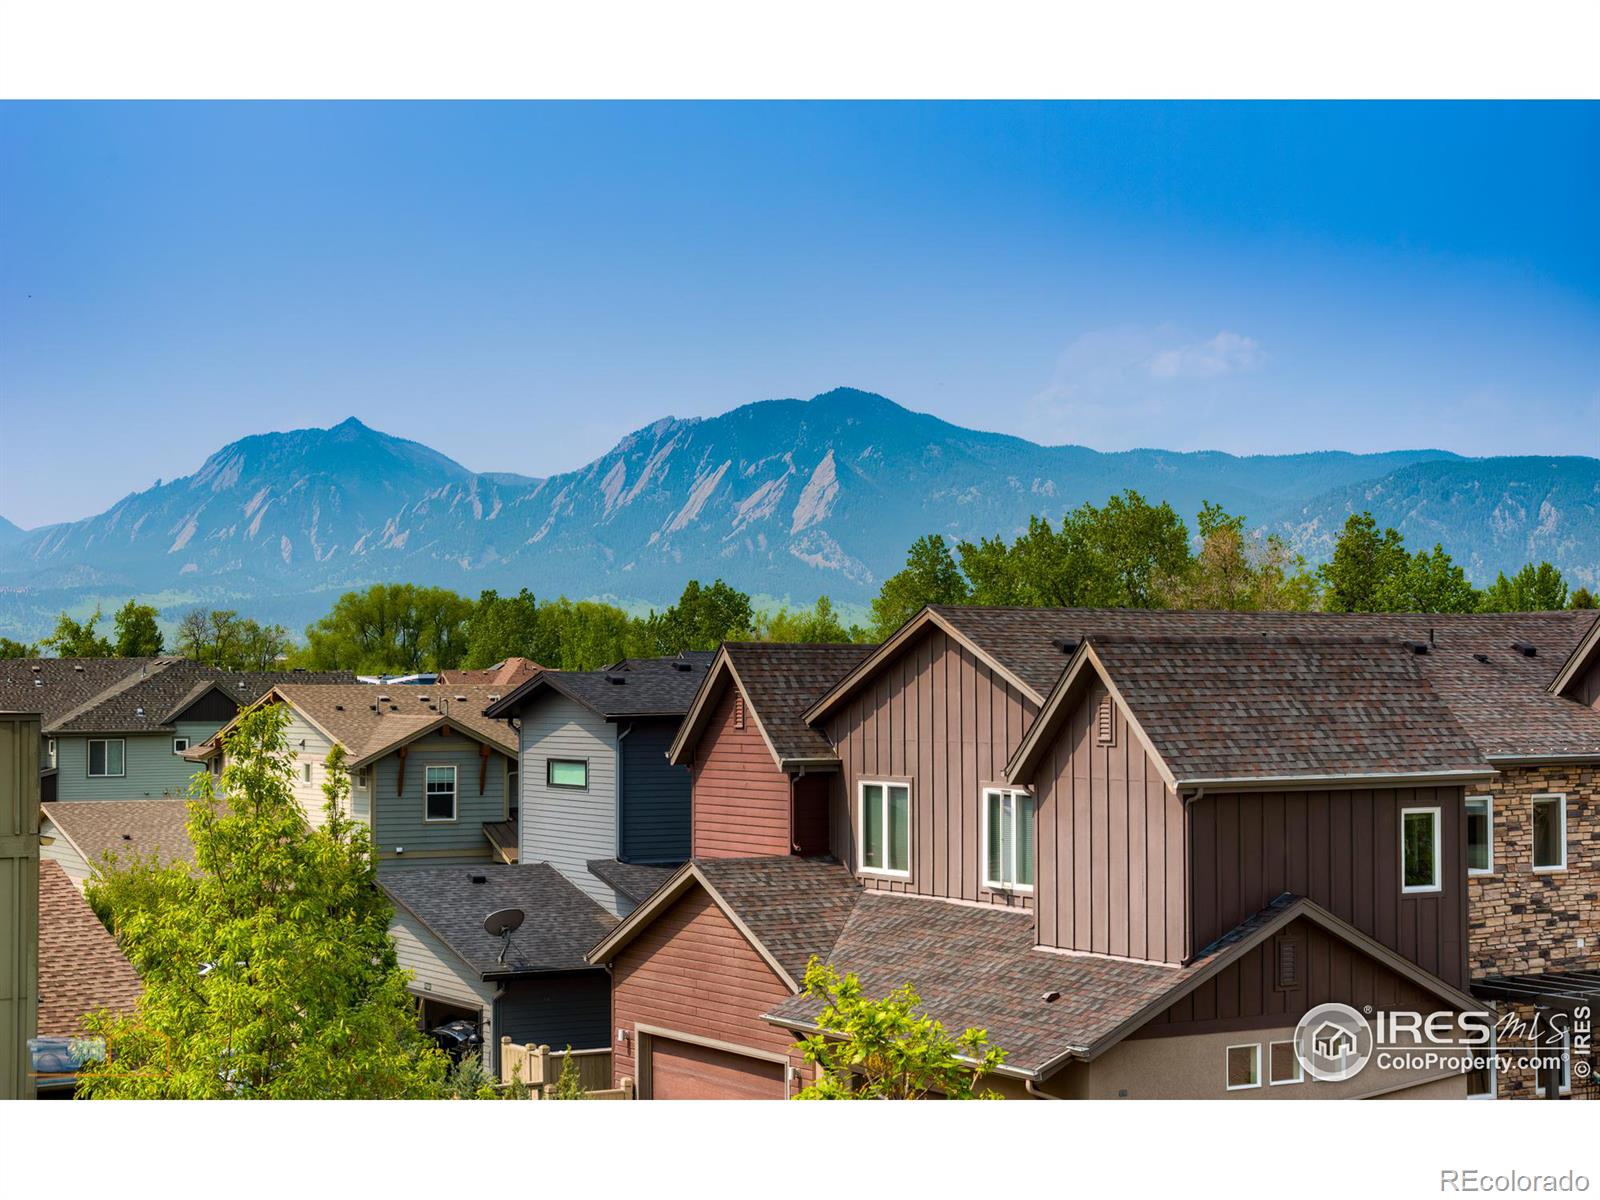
[
  {"x": 938, "y": 716},
  {"x": 400, "y": 814},
  {"x": 151, "y": 771},
  {"x": 1341, "y": 849},
  {"x": 1243, "y": 995},
  {"x": 308, "y": 746},
  {"x": 557, "y": 1011},
  {"x": 691, "y": 971},
  {"x": 1111, "y": 844},
  {"x": 655, "y": 795},
  {"x": 741, "y": 799},
  {"x": 567, "y": 827}
]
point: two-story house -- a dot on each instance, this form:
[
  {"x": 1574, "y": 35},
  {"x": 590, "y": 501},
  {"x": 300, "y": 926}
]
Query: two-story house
[
  {"x": 1136, "y": 847},
  {"x": 599, "y": 801}
]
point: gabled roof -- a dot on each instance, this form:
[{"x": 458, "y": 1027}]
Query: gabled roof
[
  {"x": 561, "y": 921},
  {"x": 636, "y": 881},
  {"x": 780, "y": 681},
  {"x": 1582, "y": 658},
  {"x": 126, "y": 828},
  {"x": 1268, "y": 709},
  {"x": 976, "y": 966},
  {"x": 81, "y": 967},
  {"x": 505, "y": 674},
  {"x": 370, "y": 720},
  {"x": 633, "y": 687},
  {"x": 788, "y": 908},
  {"x": 53, "y": 687}
]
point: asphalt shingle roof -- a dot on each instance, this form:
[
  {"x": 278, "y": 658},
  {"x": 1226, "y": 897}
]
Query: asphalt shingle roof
[
  {"x": 81, "y": 967},
  {"x": 637, "y": 881},
  {"x": 368, "y": 718},
  {"x": 63, "y": 684},
  {"x": 782, "y": 680},
  {"x": 795, "y": 907},
  {"x": 633, "y": 687},
  {"x": 126, "y": 828},
  {"x": 561, "y": 921}
]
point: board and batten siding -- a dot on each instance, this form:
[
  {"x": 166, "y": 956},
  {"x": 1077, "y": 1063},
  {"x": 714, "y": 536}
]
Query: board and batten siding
[
  {"x": 19, "y": 900},
  {"x": 438, "y": 974},
  {"x": 741, "y": 799},
  {"x": 151, "y": 771},
  {"x": 691, "y": 972},
  {"x": 1340, "y": 848},
  {"x": 1112, "y": 859},
  {"x": 567, "y": 827},
  {"x": 940, "y": 718},
  {"x": 398, "y": 801},
  {"x": 654, "y": 811}
]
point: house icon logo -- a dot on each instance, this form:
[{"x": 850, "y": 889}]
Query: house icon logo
[{"x": 1333, "y": 1042}]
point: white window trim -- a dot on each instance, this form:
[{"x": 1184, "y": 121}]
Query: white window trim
[
  {"x": 1564, "y": 1084},
  {"x": 995, "y": 885},
  {"x": 359, "y": 780},
  {"x": 1299, "y": 1067},
  {"x": 88, "y": 758},
  {"x": 1494, "y": 1063},
  {"x": 861, "y": 828},
  {"x": 1438, "y": 845},
  {"x": 1227, "y": 1055},
  {"x": 50, "y": 750},
  {"x": 455, "y": 795},
  {"x": 305, "y": 772},
  {"x": 177, "y": 749},
  {"x": 1488, "y": 808},
  {"x": 1545, "y": 798}
]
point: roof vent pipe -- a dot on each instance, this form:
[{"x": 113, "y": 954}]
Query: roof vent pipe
[{"x": 1526, "y": 649}]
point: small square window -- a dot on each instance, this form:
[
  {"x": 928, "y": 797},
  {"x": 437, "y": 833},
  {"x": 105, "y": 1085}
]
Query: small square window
[
  {"x": 1284, "y": 1064},
  {"x": 567, "y": 772},
  {"x": 179, "y": 745},
  {"x": 1480, "y": 835},
  {"x": 1244, "y": 1067}
]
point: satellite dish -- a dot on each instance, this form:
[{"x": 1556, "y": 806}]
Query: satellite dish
[{"x": 502, "y": 921}]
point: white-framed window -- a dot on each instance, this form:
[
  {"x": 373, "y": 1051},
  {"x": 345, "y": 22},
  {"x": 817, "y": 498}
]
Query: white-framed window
[
  {"x": 566, "y": 772},
  {"x": 884, "y": 828},
  {"x": 1550, "y": 833},
  {"x": 1244, "y": 1067},
  {"x": 179, "y": 745},
  {"x": 1283, "y": 1064},
  {"x": 1483, "y": 1081},
  {"x": 50, "y": 750},
  {"x": 1565, "y": 1082},
  {"x": 1008, "y": 840},
  {"x": 439, "y": 803},
  {"x": 1480, "y": 835},
  {"x": 361, "y": 778},
  {"x": 1419, "y": 849},
  {"x": 106, "y": 757}
]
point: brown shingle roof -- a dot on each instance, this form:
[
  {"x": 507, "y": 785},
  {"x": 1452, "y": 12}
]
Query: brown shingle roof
[
  {"x": 505, "y": 674},
  {"x": 125, "y": 828},
  {"x": 795, "y": 907},
  {"x": 81, "y": 967},
  {"x": 782, "y": 680},
  {"x": 355, "y": 716}
]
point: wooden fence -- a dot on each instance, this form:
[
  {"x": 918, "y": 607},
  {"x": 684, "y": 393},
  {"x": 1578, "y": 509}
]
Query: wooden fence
[{"x": 539, "y": 1067}]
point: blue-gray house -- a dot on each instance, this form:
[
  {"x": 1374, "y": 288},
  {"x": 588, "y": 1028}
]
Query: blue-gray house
[{"x": 598, "y": 799}]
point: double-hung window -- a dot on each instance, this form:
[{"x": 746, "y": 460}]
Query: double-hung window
[
  {"x": 1549, "y": 833},
  {"x": 885, "y": 827},
  {"x": 1480, "y": 835},
  {"x": 1007, "y": 840},
  {"x": 105, "y": 757},
  {"x": 1419, "y": 849},
  {"x": 440, "y": 800}
]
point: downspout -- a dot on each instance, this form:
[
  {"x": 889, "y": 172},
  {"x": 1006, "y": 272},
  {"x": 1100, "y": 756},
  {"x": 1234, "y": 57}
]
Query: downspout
[
  {"x": 1032, "y": 1089},
  {"x": 620, "y": 808}
]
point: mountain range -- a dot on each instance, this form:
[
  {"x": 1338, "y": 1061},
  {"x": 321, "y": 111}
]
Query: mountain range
[{"x": 783, "y": 498}]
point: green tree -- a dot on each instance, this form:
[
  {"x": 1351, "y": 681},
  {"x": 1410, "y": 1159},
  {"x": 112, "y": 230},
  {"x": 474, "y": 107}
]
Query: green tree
[
  {"x": 268, "y": 968},
  {"x": 1430, "y": 583},
  {"x": 819, "y": 623},
  {"x": 583, "y": 635},
  {"x": 225, "y": 640},
  {"x": 930, "y": 576},
  {"x": 885, "y": 1049},
  {"x": 75, "y": 639},
  {"x": 392, "y": 628},
  {"x": 1581, "y": 598},
  {"x": 1532, "y": 589},
  {"x": 702, "y": 619},
  {"x": 568, "y": 1084},
  {"x": 15, "y": 649},
  {"x": 138, "y": 635},
  {"x": 502, "y": 627},
  {"x": 1363, "y": 573},
  {"x": 1236, "y": 571}
]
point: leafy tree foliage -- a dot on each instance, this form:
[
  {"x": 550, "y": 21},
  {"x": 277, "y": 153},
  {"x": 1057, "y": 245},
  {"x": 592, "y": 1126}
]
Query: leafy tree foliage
[
  {"x": 885, "y": 1049},
  {"x": 930, "y": 577},
  {"x": 819, "y": 623},
  {"x": 224, "y": 639},
  {"x": 1581, "y": 598},
  {"x": 78, "y": 639},
  {"x": 568, "y": 1084},
  {"x": 1532, "y": 589},
  {"x": 503, "y": 627},
  {"x": 391, "y": 628},
  {"x": 14, "y": 649},
  {"x": 268, "y": 969},
  {"x": 702, "y": 619},
  {"x": 1235, "y": 571},
  {"x": 138, "y": 635},
  {"x": 1373, "y": 572}
]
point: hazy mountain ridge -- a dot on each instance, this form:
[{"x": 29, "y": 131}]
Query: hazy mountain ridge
[{"x": 782, "y": 497}]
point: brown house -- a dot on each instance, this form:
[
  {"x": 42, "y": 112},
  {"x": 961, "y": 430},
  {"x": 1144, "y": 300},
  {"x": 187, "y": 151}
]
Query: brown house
[{"x": 1134, "y": 846}]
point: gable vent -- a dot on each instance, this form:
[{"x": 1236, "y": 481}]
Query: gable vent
[
  {"x": 738, "y": 712},
  {"x": 1286, "y": 955},
  {"x": 1105, "y": 728}
]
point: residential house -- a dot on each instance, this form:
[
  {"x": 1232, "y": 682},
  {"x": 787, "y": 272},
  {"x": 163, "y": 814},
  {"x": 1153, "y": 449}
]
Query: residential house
[
  {"x": 505, "y": 674},
  {"x": 532, "y": 984},
  {"x": 81, "y": 836},
  {"x": 428, "y": 771},
  {"x": 599, "y": 801},
  {"x": 53, "y": 687},
  {"x": 1134, "y": 846},
  {"x": 81, "y": 970}
]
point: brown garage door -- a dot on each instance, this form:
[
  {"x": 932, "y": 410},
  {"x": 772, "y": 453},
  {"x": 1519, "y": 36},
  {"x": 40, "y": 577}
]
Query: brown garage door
[{"x": 683, "y": 1071}]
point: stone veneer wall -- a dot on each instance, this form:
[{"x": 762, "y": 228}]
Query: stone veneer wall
[{"x": 1519, "y": 922}]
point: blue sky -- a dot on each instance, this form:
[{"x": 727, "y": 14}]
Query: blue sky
[{"x": 518, "y": 285}]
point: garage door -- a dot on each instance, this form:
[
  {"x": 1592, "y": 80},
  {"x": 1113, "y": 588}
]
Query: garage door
[{"x": 683, "y": 1071}]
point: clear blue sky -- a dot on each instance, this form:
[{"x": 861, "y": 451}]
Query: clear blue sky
[{"x": 518, "y": 285}]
